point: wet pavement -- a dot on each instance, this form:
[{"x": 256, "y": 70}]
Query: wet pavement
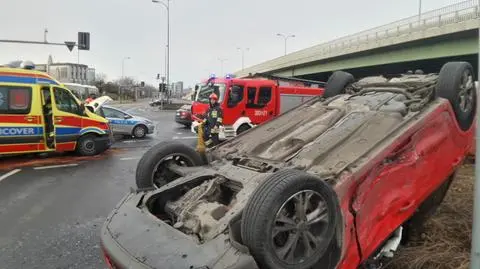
[{"x": 52, "y": 208}]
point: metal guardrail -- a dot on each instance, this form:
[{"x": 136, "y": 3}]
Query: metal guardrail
[{"x": 455, "y": 13}]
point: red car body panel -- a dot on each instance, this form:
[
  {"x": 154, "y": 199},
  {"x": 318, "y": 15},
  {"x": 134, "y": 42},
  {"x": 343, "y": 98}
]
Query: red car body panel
[{"x": 437, "y": 143}]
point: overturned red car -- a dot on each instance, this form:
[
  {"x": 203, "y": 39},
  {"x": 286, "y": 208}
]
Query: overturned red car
[{"x": 338, "y": 182}]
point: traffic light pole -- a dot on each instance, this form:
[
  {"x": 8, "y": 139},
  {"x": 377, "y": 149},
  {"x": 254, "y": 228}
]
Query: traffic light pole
[
  {"x": 69, "y": 45},
  {"x": 83, "y": 42}
]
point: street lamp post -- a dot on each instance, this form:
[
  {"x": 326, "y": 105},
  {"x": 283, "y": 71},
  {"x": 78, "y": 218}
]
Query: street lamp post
[
  {"x": 166, "y": 4},
  {"x": 123, "y": 75},
  {"x": 123, "y": 65},
  {"x": 285, "y": 37},
  {"x": 243, "y": 56},
  {"x": 222, "y": 60},
  {"x": 419, "y": 10}
]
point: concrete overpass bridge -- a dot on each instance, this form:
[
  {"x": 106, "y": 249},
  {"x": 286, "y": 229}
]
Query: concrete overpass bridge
[{"x": 424, "y": 42}]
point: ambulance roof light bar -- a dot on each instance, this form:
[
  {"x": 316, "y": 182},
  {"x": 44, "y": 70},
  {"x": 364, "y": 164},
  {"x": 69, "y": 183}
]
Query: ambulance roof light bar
[{"x": 29, "y": 65}]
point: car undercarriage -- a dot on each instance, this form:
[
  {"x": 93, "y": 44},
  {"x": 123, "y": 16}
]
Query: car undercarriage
[{"x": 319, "y": 186}]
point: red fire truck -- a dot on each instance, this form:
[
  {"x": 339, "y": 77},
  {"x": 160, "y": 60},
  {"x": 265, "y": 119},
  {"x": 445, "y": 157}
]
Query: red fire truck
[{"x": 247, "y": 102}]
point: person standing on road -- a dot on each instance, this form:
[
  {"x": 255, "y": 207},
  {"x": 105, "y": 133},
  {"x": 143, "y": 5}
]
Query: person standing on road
[{"x": 212, "y": 122}]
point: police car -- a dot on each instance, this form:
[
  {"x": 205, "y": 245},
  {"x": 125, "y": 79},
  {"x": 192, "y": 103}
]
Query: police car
[{"x": 121, "y": 122}]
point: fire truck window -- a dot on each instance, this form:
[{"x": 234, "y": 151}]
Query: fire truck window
[
  {"x": 264, "y": 96},
  {"x": 235, "y": 96},
  {"x": 252, "y": 92},
  {"x": 65, "y": 101},
  {"x": 15, "y": 100}
]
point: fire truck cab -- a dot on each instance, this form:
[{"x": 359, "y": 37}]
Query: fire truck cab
[{"x": 247, "y": 102}]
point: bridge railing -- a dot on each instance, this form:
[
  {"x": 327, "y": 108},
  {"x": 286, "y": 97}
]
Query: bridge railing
[{"x": 455, "y": 13}]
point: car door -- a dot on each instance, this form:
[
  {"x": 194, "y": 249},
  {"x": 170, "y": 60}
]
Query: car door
[
  {"x": 235, "y": 104},
  {"x": 260, "y": 107},
  {"x": 117, "y": 120},
  {"x": 67, "y": 119}
]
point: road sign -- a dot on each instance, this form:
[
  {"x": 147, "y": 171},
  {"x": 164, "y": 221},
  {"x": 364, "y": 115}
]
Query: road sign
[
  {"x": 83, "y": 40},
  {"x": 70, "y": 45}
]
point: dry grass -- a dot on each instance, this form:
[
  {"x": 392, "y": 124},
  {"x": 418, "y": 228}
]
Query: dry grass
[{"x": 447, "y": 239}]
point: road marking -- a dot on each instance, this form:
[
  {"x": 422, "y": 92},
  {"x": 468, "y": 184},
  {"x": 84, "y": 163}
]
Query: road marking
[
  {"x": 131, "y": 141},
  {"x": 55, "y": 166},
  {"x": 129, "y": 158},
  {"x": 184, "y": 137},
  {"x": 11, "y": 173}
]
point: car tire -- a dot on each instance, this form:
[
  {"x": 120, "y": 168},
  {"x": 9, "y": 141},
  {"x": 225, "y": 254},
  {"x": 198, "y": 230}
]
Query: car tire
[
  {"x": 140, "y": 131},
  {"x": 452, "y": 85},
  {"x": 86, "y": 145},
  {"x": 271, "y": 198},
  {"x": 243, "y": 128},
  {"x": 151, "y": 169},
  {"x": 337, "y": 83}
]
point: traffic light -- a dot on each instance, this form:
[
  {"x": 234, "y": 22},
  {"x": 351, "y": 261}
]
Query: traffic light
[
  {"x": 83, "y": 41},
  {"x": 161, "y": 87},
  {"x": 142, "y": 84}
]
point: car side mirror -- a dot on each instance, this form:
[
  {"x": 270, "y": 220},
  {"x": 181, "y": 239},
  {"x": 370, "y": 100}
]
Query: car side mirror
[{"x": 127, "y": 117}]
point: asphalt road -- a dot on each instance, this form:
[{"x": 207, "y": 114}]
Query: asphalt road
[{"x": 52, "y": 209}]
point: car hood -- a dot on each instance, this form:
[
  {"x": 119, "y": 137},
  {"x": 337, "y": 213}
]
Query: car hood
[
  {"x": 322, "y": 136},
  {"x": 99, "y": 102}
]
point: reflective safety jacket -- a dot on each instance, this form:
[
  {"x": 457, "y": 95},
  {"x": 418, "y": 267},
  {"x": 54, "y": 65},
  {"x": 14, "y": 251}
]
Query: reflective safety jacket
[{"x": 214, "y": 118}]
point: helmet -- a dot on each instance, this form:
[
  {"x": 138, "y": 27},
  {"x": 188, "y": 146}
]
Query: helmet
[{"x": 213, "y": 96}]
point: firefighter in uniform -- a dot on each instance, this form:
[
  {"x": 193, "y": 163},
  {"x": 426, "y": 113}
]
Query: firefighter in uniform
[{"x": 212, "y": 122}]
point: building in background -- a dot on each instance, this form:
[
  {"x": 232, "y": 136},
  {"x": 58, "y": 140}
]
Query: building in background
[
  {"x": 68, "y": 72},
  {"x": 177, "y": 89}
]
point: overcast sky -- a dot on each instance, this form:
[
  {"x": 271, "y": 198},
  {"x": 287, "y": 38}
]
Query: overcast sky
[{"x": 201, "y": 31}]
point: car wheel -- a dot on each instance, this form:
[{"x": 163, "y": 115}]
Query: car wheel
[
  {"x": 139, "y": 131},
  {"x": 290, "y": 220},
  {"x": 86, "y": 146},
  {"x": 243, "y": 128},
  {"x": 337, "y": 83},
  {"x": 152, "y": 169},
  {"x": 456, "y": 84}
]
